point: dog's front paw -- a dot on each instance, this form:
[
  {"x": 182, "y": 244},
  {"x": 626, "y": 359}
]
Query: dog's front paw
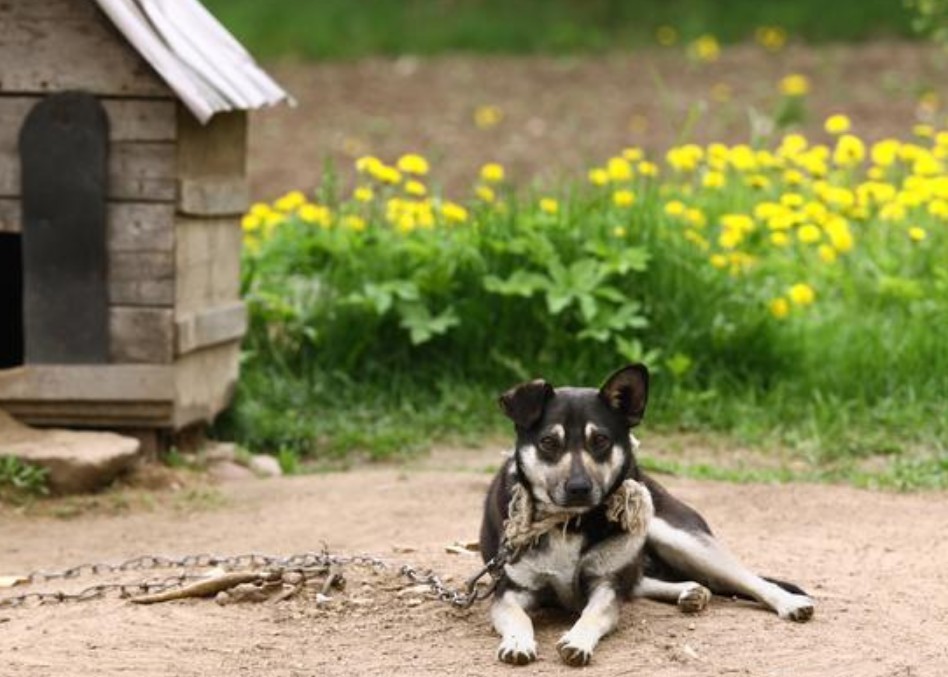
[
  {"x": 517, "y": 651},
  {"x": 574, "y": 649},
  {"x": 797, "y": 608},
  {"x": 694, "y": 600}
]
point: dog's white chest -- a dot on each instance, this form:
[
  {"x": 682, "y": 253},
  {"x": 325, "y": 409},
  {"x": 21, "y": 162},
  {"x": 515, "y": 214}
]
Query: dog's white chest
[{"x": 555, "y": 564}]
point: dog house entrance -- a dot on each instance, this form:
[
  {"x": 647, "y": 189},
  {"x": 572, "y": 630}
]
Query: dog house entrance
[{"x": 11, "y": 301}]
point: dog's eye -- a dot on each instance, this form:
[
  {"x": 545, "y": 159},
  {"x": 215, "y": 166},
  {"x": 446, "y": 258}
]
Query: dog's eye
[
  {"x": 599, "y": 442},
  {"x": 549, "y": 443}
]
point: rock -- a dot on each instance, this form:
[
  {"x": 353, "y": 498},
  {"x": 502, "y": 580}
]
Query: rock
[
  {"x": 228, "y": 471},
  {"x": 76, "y": 461},
  {"x": 218, "y": 452},
  {"x": 265, "y": 466}
]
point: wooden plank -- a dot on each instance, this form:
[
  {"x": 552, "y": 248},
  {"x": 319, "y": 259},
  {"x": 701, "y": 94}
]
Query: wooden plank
[
  {"x": 141, "y": 335},
  {"x": 132, "y": 414},
  {"x": 204, "y": 383},
  {"x": 87, "y": 383},
  {"x": 137, "y": 171},
  {"x": 213, "y": 196},
  {"x": 217, "y": 149},
  {"x": 207, "y": 263},
  {"x": 141, "y": 278},
  {"x": 129, "y": 119},
  {"x": 210, "y": 327},
  {"x": 141, "y": 227},
  {"x": 58, "y": 45}
]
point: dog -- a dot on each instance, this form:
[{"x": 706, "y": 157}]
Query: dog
[{"x": 582, "y": 527}]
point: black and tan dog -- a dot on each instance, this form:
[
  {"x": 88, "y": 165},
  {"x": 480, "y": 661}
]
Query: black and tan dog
[{"x": 585, "y": 528}]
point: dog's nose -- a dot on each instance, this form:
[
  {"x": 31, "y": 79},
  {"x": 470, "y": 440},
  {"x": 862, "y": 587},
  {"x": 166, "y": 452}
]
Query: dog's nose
[{"x": 578, "y": 488}]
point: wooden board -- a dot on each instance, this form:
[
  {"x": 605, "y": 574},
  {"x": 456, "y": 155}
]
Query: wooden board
[
  {"x": 56, "y": 45},
  {"x": 213, "y": 196},
  {"x": 141, "y": 335},
  {"x": 211, "y": 326},
  {"x": 207, "y": 261},
  {"x": 137, "y": 171},
  {"x": 217, "y": 149},
  {"x": 63, "y": 149},
  {"x": 74, "y": 383},
  {"x": 204, "y": 383},
  {"x": 141, "y": 278}
]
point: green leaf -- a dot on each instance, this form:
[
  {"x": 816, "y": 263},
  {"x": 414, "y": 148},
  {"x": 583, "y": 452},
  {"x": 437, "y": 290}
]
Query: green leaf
[
  {"x": 422, "y": 326},
  {"x": 521, "y": 283}
]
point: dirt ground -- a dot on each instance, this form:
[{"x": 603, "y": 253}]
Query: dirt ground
[
  {"x": 560, "y": 116},
  {"x": 875, "y": 563}
]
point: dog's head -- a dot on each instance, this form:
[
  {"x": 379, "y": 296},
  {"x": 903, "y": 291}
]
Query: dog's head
[{"x": 573, "y": 444}]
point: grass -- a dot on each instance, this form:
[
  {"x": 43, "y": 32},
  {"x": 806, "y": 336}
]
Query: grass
[
  {"x": 20, "y": 480},
  {"x": 342, "y": 29}
]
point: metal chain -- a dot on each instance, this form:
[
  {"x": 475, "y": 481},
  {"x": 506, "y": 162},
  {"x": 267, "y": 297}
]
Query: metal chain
[{"x": 309, "y": 561}]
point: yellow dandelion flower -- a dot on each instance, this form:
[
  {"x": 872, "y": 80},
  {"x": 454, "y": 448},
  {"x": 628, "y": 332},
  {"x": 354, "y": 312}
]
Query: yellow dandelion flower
[
  {"x": 705, "y": 48},
  {"x": 646, "y": 168},
  {"x": 827, "y": 253},
  {"x": 771, "y": 38},
  {"x": 675, "y": 208},
  {"x": 619, "y": 169},
  {"x": 780, "y": 239},
  {"x": 809, "y": 234},
  {"x": 713, "y": 180},
  {"x": 354, "y": 222},
  {"x": 666, "y": 36},
  {"x": 780, "y": 307},
  {"x": 793, "y": 177},
  {"x": 837, "y": 124},
  {"x": 757, "y": 182},
  {"x": 406, "y": 223},
  {"x": 416, "y": 188},
  {"x": 938, "y": 208},
  {"x": 260, "y": 209},
  {"x": 623, "y": 198},
  {"x": 485, "y": 193},
  {"x": 363, "y": 194},
  {"x": 892, "y": 211},
  {"x": 696, "y": 217},
  {"x": 386, "y": 174},
  {"x": 598, "y": 176},
  {"x": 718, "y": 261},
  {"x": 849, "y": 151},
  {"x": 635, "y": 154},
  {"x": 549, "y": 205},
  {"x": 487, "y": 117},
  {"x": 917, "y": 234},
  {"x": 412, "y": 163},
  {"x": 884, "y": 153},
  {"x": 290, "y": 201},
  {"x": 250, "y": 222},
  {"x": 368, "y": 164},
  {"x": 492, "y": 172},
  {"x": 839, "y": 234},
  {"x": 453, "y": 213},
  {"x": 795, "y": 85},
  {"x": 619, "y": 231},
  {"x": 802, "y": 294}
]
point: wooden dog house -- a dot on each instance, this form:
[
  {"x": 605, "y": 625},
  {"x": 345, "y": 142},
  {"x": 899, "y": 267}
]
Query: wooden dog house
[{"x": 123, "y": 146}]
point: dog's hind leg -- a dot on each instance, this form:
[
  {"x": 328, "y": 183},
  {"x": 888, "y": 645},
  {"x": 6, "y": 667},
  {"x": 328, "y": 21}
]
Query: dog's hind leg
[
  {"x": 701, "y": 558},
  {"x": 689, "y": 596},
  {"x": 599, "y": 618},
  {"x": 509, "y": 616}
]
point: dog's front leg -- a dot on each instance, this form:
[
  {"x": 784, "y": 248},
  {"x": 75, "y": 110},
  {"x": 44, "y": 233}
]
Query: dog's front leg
[
  {"x": 509, "y": 616},
  {"x": 598, "y": 619}
]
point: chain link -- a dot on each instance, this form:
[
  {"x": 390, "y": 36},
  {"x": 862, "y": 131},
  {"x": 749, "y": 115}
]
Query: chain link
[{"x": 309, "y": 562}]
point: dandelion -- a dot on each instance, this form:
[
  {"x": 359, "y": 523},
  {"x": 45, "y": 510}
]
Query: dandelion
[
  {"x": 598, "y": 176},
  {"x": 646, "y": 168},
  {"x": 771, "y": 38},
  {"x": 290, "y": 201},
  {"x": 827, "y": 253},
  {"x": 635, "y": 154},
  {"x": 705, "y": 48},
  {"x": 354, "y": 222},
  {"x": 413, "y": 163},
  {"x": 453, "y": 212},
  {"x": 250, "y": 223},
  {"x": 718, "y": 261},
  {"x": 549, "y": 205},
  {"x": 492, "y": 172},
  {"x": 802, "y": 294},
  {"x": 809, "y": 234},
  {"x": 368, "y": 164},
  {"x": 619, "y": 169},
  {"x": 487, "y": 117},
  {"x": 917, "y": 234},
  {"x": 485, "y": 193},
  {"x": 696, "y": 217},
  {"x": 363, "y": 194},
  {"x": 779, "y": 239},
  {"x": 666, "y": 36},
  {"x": 780, "y": 307},
  {"x": 795, "y": 85},
  {"x": 623, "y": 198},
  {"x": 837, "y": 124},
  {"x": 849, "y": 151},
  {"x": 713, "y": 180},
  {"x": 675, "y": 208},
  {"x": 619, "y": 231},
  {"x": 416, "y": 188}
]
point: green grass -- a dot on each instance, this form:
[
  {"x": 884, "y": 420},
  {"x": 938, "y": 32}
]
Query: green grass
[
  {"x": 341, "y": 29},
  {"x": 21, "y": 480}
]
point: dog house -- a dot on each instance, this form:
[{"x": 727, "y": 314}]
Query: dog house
[{"x": 123, "y": 147}]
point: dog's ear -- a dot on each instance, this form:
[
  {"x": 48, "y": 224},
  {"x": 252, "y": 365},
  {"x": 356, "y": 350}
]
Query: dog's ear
[
  {"x": 524, "y": 403},
  {"x": 626, "y": 391}
]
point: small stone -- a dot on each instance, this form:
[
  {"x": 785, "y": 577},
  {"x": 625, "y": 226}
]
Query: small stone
[
  {"x": 218, "y": 452},
  {"x": 265, "y": 466},
  {"x": 228, "y": 471}
]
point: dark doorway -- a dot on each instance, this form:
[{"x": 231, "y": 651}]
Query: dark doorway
[{"x": 11, "y": 301}]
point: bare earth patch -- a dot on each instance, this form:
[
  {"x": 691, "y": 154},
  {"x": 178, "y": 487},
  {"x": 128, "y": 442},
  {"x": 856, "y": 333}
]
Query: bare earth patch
[
  {"x": 562, "y": 115},
  {"x": 874, "y": 562}
]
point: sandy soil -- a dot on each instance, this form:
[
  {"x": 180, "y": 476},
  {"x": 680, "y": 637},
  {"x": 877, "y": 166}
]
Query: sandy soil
[
  {"x": 876, "y": 564},
  {"x": 562, "y": 116}
]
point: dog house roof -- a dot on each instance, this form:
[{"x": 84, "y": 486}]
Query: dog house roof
[{"x": 195, "y": 55}]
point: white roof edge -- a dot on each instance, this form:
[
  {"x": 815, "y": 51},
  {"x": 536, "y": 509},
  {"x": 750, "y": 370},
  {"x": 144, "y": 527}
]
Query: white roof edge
[{"x": 205, "y": 66}]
